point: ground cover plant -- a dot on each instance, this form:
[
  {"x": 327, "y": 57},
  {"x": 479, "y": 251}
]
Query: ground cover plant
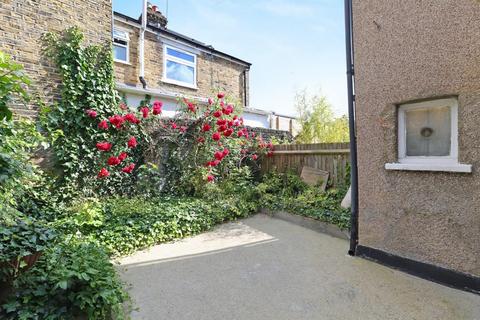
[{"x": 288, "y": 192}]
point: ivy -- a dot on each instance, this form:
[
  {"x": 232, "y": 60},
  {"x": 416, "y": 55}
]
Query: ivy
[{"x": 87, "y": 84}]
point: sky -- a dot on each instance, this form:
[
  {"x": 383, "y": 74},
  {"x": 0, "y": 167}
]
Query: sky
[{"x": 292, "y": 44}]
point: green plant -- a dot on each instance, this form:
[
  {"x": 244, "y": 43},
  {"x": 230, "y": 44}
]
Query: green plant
[
  {"x": 317, "y": 120},
  {"x": 288, "y": 192},
  {"x": 70, "y": 280},
  {"x": 137, "y": 223},
  {"x": 12, "y": 85},
  {"x": 20, "y": 236}
]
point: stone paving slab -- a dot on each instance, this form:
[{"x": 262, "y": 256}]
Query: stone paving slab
[{"x": 267, "y": 268}]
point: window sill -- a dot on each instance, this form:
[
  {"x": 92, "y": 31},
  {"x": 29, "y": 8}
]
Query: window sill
[
  {"x": 122, "y": 62},
  {"x": 180, "y": 84},
  {"x": 454, "y": 167}
]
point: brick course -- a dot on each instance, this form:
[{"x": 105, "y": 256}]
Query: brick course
[
  {"x": 23, "y": 22},
  {"x": 213, "y": 73}
]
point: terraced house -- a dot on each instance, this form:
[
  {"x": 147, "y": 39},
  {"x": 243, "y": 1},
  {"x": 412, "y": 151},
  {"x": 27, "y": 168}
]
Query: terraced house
[{"x": 149, "y": 58}]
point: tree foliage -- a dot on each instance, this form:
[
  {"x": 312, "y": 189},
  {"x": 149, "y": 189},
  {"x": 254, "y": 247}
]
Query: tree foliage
[{"x": 318, "y": 121}]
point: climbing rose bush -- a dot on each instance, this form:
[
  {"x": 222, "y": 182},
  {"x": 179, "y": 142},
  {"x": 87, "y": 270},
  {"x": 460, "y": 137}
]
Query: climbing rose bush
[{"x": 207, "y": 140}]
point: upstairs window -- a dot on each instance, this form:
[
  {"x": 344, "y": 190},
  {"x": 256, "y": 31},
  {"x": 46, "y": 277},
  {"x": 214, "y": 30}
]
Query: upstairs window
[
  {"x": 428, "y": 137},
  {"x": 120, "y": 45},
  {"x": 180, "y": 67}
]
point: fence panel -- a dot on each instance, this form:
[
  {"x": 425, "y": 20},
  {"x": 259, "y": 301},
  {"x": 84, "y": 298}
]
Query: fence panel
[{"x": 331, "y": 157}]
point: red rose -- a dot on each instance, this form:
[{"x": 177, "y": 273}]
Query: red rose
[
  {"x": 215, "y": 163},
  {"x": 217, "y": 114},
  {"x": 117, "y": 121},
  {"x": 130, "y": 117},
  {"x": 206, "y": 127},
  {"x": 132, "y": 142},
  {"x": 145, "y": 111},
  {"x": 103, "y": 125},
  {"x": 129, "y": 168},
  {"x": 122, "y": 156},
  {"x": 183, "y": 129},
  {"x": 191, "y": 107},
  {"x": 225, "y": 152},
  {"x": 254, "y": 157},
  {"x": 104, "y": 146},
  {"x": 216, "y": 136},
  {"x": 210, "y": 101},
  {"x": 220, "y": 95},
  {"x": 228, "y": 132},
  {"x": 240, "y": 133},
  {"x": 222, "y": 128},
  {"x": 103, "y": 173},
  {"x": 221, "y": 122},
  {"x": 113, "y": 161},
  {"x": 210, "y": 178},
  {"x": 91, "y": 113},
  {"x": 201, "y": 140},
  {"x": 270, "y": 154},
  {"x": 157, "y": 107},
  {"x": 218, "y": 155}
]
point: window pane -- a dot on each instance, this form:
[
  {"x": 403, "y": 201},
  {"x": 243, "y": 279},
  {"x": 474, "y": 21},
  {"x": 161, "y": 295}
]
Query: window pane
[
  {"x": 428, "y": 132},
  {"x": 180, "y": 72},
  {"x": 120, "y": 53},
  {"x": 181, "y": 55}
]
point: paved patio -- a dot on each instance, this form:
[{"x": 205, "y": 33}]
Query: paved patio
[{"x": 266, "y": 268}]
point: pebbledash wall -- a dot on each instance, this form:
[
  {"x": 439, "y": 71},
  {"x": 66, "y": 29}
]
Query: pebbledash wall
[
  {"x": 215, "y": 71},
  {"x": 22, "y": 23},
  {"x": 405, "y": 51}
]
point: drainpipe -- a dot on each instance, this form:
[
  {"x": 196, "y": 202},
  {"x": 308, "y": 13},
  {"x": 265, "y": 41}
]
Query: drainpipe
[
  {"x": 351, "y": 125},
  {"x": 142, "y": 45}
]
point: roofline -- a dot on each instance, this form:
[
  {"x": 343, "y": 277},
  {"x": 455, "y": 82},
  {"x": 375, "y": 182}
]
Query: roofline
[{"x": 189, "y": 40}]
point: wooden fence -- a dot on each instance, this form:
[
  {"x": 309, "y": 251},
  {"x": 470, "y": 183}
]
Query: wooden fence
[{"x": 331, "y": 157}]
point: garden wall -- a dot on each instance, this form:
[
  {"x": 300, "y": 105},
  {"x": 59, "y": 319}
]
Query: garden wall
[
  {"x": 23, "y": 22},
  {"x": 331, "y": 157}
]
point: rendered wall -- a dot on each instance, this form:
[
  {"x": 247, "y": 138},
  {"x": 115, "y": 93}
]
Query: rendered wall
[{"x": 408, "y": 50}]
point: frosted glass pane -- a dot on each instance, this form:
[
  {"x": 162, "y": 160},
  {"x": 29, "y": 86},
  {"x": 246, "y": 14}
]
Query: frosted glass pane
[{"x": 428, "y": 132}]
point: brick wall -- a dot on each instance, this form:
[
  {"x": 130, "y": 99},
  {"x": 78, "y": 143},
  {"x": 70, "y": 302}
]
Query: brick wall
[
  {"x": 22, "y": 23},
  {"x": 213, "y": 73}
]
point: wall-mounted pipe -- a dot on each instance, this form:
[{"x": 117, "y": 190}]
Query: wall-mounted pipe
[
  {"x": 351, "y": 125},
  {"x": 141, "y": 48}
]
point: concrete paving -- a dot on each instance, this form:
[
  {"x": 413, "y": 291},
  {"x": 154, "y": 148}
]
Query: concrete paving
[{"x": 266, "y": 268}]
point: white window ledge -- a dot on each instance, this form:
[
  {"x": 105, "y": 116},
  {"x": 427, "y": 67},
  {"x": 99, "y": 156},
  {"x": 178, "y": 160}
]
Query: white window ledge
[
  {"x": 180, "y": 84},
  {"x": 454, "y": 167}
]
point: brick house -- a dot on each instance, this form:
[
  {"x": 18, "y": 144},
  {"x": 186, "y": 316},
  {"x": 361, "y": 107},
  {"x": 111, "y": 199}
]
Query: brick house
[
  {"x": 417, "y": 100},
  {"x": 174, "y": 64}
]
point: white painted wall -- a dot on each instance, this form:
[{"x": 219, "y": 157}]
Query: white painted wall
[
  {"x": 168, "y": 109},
  {"x": 256, "y": 120}
]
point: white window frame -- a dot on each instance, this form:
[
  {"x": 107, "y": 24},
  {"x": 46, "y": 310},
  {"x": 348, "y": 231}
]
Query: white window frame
[
  {"x": 127, "y": 46},
  {"x": 180, "y": 61},
  {"x": 429, "y": 163}
]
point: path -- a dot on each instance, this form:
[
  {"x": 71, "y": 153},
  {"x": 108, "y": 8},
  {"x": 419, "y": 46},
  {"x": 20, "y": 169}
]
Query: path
[{"x": 265, "y": 268}]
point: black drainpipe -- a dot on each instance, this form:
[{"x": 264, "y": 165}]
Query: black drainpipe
[{"x": 351, "y": 125}]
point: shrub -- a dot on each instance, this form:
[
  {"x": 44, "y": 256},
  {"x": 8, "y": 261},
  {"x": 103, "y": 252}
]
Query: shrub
[
  {"x": 69, "y": 280},
  {"x": 288, "y": 192}
]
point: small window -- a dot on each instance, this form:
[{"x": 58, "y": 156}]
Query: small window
[
  {"x": 180, "y": 67},
  {"x": 120, "y": 45},
  {"x": 428, "y": 137}
]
